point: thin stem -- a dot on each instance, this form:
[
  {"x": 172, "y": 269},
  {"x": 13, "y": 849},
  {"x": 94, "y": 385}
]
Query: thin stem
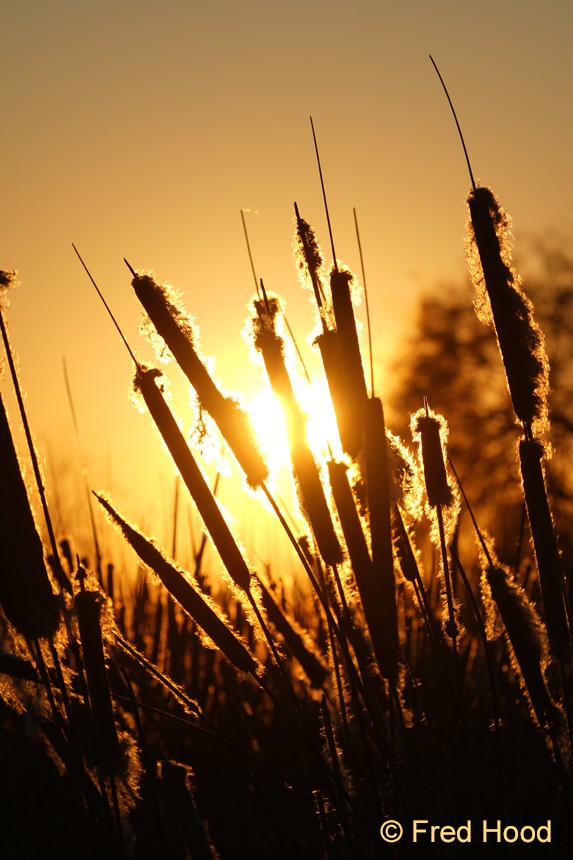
[
  {"x": 368, "y": 325},
  {"x": 324, "y": 195},
  {"x": 108, "y": 309},
  {"x": 457, "y": 123},
  {"x": 250, "y": 255}
]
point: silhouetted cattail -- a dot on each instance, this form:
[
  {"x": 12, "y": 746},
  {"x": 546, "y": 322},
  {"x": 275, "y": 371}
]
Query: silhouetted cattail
[
  {"x": 295, "y": 639},
  {"x": 428, "y": 428},
  {"x": 545, "y": 545},
  {"x": 379, "y": 514},
  {"x": 328, "y": 344},
  {"x": 178, "y": 585},
  {"x": 88, "y": 609},
  {"x": 177, "y": 330},
  {"x": 309, "y": 260},
  {"x": 350, "y": 356},
  {"x": 193, "y": 477},
  {"x": 520, "y": 339},
  {"x": 525, "y": 635},
  {"x": 379, "y": 609},
  {"x": 314, "y": 504},
  {"x": 437, "y": 488},
  {"x": 26, "y": 594}
]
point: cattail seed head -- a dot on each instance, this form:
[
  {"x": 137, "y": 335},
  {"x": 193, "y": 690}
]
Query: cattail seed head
[
  {"x": 179, "y": 334},
  {"x": 178, "y": 584},
  {"x": 502, "y": 302},
  {"x": 428, "y": 429},
  {"x": 525, "y": 634},
  {"x": 88, "y": 610},
  {"x": 306, "y": 472},
  {"x": 221, "y": 535}
]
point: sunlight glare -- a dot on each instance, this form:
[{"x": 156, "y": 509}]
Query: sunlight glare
[{"x": 270, "y": 424}]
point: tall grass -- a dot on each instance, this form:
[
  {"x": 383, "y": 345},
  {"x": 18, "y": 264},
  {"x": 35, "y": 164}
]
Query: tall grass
[{"x": 230, "y": 711}]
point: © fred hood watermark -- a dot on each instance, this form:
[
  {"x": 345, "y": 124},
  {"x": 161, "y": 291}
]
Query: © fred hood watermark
[{"x": 486, "y": 831}]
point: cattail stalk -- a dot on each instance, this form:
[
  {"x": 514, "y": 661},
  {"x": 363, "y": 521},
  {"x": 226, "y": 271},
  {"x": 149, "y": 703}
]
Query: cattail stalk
[{"x": 545, "y": 546}]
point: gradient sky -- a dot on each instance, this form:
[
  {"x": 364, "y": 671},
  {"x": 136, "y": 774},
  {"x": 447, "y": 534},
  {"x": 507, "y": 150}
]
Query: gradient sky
[{"x": 141, "y": 128}]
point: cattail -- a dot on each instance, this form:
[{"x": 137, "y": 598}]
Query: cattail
[
  {"x": 437, "y": 488},
  {"x": 26, "y": 594},
  {"x": 427, "y": 428},
  {"x": 519, "y": 337},
  {"x": 379, "y": 514},
  {"x": 294, "y": 638},
  {"x": 545, "y": 546},
  {"x": 193, "y": 477},
  {"x": 177, "y": 330},
  {"x": 329, "y": 346},
  {"x": 314, "y": 504},
  {"x": 525, "y": 635},
  {"x": 350, "y": 356},
  {"x": 309, "y": 260},
  {"x": 88, "y": 606},
  {"x": 178, "y": 585},
  {"x": 378, "y": 610}
]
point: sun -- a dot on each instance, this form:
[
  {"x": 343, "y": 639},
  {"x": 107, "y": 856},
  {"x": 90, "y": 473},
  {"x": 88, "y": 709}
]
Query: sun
[{"x": 269, "y": 422}]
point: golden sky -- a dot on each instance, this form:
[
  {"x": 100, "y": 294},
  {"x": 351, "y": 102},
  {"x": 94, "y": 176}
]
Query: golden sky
[{"x": 140, "y": 128}]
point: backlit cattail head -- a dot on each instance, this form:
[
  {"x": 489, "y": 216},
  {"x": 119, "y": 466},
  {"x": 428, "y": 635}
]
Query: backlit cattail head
[
  {"x": 7, "y": 280},
  {"x": 526, "y": 637},
  {"x": 502, "y": 303},
  {"x": 88, "y": 606},
  {"x": 177, "y": 332},
  {"x": 431, "y": 432},
  {"x": 309, "y": 260},
  {"x": 217, "y": 631}
]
